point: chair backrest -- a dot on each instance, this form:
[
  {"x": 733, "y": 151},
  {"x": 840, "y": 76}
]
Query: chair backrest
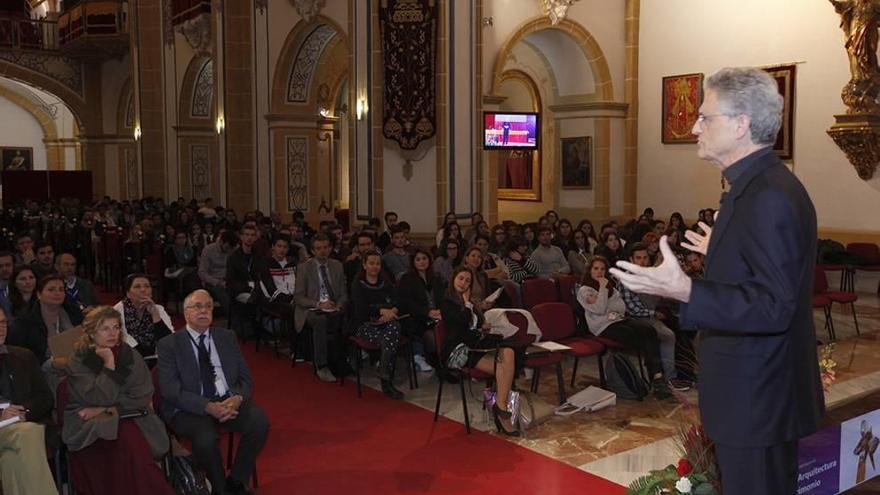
[
  {"x": 522, "y": 335},
  {"x": 566, "y": 289},
  {"x": 555, "y": 319},
  {"x": 537, "y": 291},
  {"x": 153, "y": 265},
  {"x": 439, "y": 336},
  {"x": 820, "y": 281},
  {"x": 512, "y": 289},
  {"x": 157, "y": 395},
  {"x": 869, "y": 252}
]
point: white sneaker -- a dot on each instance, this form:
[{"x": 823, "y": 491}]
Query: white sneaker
[{"x": 421, "y": 364}]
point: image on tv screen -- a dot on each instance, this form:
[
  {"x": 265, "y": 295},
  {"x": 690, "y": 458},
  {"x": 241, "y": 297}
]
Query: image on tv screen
[{"x": 510, "y": 130}]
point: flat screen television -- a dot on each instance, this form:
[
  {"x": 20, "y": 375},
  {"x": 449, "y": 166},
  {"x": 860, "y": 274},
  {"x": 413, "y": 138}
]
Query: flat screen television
[{"x": 511, "y": 130}]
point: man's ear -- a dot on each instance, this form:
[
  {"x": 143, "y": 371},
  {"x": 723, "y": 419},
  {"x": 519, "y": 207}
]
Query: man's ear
[{"x": 743, "y": 126}]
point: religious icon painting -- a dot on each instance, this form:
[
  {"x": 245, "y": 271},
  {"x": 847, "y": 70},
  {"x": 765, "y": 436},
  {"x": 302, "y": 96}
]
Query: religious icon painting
[
  {"x": 15, "y": 159},
  {"x": 577, "y": 162},
  {"x": 784, "y": 75},
  {"x": 682, "y": 97}
]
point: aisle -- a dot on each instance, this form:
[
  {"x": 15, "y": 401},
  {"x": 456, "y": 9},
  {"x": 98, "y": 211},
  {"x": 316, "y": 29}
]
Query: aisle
[{"x": 324, "y": 440}]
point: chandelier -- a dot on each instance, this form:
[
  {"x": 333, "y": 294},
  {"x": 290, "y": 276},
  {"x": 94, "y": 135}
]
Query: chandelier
[{"x": 556, "y": 9}]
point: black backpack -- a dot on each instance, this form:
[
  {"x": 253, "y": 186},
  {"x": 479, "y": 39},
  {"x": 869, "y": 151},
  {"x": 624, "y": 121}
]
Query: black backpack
[
  {"x": 185, "y": 478},
  {"x": 623, "y": 378}
]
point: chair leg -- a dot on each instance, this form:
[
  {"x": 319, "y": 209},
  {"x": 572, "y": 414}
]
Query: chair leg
[
  {"x": 574, "y": 371},
  {"x": 829, "y": 323},
  {"x": 293, "y": 344},
  {"x": 439, "y": 395},
  {"x": 560, "y": 382},
  {"x": 599, "y": 358},
  {"x": 536, "y": 372},
  {"x": 229, "y": 452},
  {"x": 357, "y": 371},
  {"x": 467, "y": 418},
  {"x": 852, "y": 305},
  {"x": 410, "y": 365}
]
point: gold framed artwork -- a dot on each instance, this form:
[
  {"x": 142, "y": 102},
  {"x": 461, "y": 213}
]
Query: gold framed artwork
[
  {"x": 682, "y": 96},
  {"x": 519, "y": 175},
  {"x": 14, "y": 158},
  {"x": 784, "y": 75},
  {"x": 577, "y": 162}
]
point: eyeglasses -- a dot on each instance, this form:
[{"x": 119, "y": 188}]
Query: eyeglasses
[
  {"x": 201, "y": 306},
  {"x": 701, "y": 119}
]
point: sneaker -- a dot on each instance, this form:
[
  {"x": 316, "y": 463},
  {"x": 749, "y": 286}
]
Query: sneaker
[
  {"x": 680, "y": 385},
  {"x": 326, "y": 375},
  {"x": 421, "y": 364}
]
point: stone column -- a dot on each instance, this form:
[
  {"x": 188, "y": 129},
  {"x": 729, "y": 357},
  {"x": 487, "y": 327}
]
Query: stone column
[
  {"x": 631, "y": 97},
  {"x": 147, "y": 46}
]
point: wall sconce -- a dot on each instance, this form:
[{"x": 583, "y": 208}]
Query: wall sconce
[
  {"x": 323, "y": 112},
  {"x": 221, "y": 125},
  {"x": 361, "y": 108},
  {"x": 488, "y": 21},
  {"x": 137, "y": 133}
]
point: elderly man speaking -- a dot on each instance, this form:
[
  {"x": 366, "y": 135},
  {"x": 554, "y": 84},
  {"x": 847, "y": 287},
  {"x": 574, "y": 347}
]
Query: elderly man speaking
[{"x": 758, "y": 378}]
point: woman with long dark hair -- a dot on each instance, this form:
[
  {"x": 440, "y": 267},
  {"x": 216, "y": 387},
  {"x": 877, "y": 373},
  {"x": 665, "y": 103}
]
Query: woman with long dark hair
[
  {"x": 465, "y": 324},
  {"x": 448, "y": 257},
  {"x": 419, "y": 295},
  {"x": 22, "y": 290}
]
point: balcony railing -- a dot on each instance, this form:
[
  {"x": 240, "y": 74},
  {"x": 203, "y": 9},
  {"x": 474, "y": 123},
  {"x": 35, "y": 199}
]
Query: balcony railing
[
  {"x": 18, "y": 32},
  {"x": 93, "y": 18}
]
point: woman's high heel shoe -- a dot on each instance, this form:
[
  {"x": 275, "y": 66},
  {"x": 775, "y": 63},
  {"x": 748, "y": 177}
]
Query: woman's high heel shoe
[{"x": 503, "y": 420}]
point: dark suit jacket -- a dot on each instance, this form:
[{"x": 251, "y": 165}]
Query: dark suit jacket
[
  {"x": 308, "y": 287},
  {"x": 87, "y": 294},
  {"x": 179, "y": 381},
  {"x": 29, "y": 387},
  {"x": 759, "y": 375},
  {"x": 29, "y": 330}
]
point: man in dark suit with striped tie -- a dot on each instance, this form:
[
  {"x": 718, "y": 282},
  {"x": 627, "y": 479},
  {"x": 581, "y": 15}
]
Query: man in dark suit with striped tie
[{"x": 206, "y": 384}]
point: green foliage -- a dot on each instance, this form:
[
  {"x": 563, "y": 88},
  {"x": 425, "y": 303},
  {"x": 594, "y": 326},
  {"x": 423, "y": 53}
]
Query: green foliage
[
  {"x": 645, "y": 485},
  {"x": 705, "y": 488}
]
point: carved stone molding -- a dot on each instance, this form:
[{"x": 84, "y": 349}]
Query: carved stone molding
[
  {"x": 308, "y": 9},
  {"x": 859, "y": 138},
  {"x": 556, "y": 9},
  {"x": 197, "y": 32}
]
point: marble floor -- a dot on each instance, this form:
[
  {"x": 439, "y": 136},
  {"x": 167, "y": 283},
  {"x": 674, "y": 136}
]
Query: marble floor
[{"x": 625, "y": 441}]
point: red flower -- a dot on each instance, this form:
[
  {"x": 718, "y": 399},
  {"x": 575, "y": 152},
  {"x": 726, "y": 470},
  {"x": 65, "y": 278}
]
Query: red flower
[{"x": 684, "y": 467}]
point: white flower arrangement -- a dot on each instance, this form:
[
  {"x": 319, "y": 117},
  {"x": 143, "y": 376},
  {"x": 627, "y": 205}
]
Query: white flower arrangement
[{"x": 683, "y": 485}]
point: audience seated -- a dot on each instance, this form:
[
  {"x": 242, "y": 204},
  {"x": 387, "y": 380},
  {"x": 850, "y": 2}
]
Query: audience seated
[
  {"x": 481, "y": 285},
  {"x": 611, "y": 248},
  {"x": 586, "y": 227},
  {"x": 109, "y": 426},
  {"x": 384, "y": 240},
  {"x": 548, "y": 258},
  {"x": 277, "y": 278},
  {"x": 396, "y": 259},
  {"x": 443, "y": 232},
  {"x": 7, "y": 265},
  {"x": 78, "y": 291},
  {"x": 23, "y": 464},
  {"x": 519, "y": 264},
  {"x": 374, "y": 317},
  {"x": 181, "y": 263},
  {"x": 465, "y": 325},
  {"x": 449, "y": 256},
  {"x": 363, "y": 242},
  {"x": 563, "y": 238},
  {"x": 24, "y": 249},
  {"x": 493, "y": 265},
  {"x": 144, "y": 322},
  {"x": 419, "y": 295},
  {"x": 21, "y": 292},
  {"x": 642, "y": 307},
  {"x": 212, "y": 266},
  {"x": 580, "y": 255},
  {"x": 320, "y": 296},
  {"x": 605, "y": 311},
  {"x": 241, "y": 278},
  {"x": 205, "y": 385},
  {"x": 44, "y": 264}
]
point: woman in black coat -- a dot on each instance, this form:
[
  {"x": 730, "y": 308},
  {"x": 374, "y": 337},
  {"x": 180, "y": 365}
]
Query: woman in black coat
[
  {"x": 464, "y": 324},
  {"x": 419, "y": 295}
]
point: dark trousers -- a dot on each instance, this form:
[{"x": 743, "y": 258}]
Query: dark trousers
[
  {"x": 204, "y": 433},
  {"x": 635, "y": 334},
  {"x": 326, "y": 337},
  {"x": 769, "y": 470}
]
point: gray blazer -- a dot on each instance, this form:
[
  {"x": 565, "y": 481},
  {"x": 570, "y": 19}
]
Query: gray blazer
[
  {"x": 308, "y": 288},
  {"x": 179, "y": 381}
]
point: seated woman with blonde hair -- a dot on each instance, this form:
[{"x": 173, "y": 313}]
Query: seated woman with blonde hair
[{"x": 109, "y": 425}]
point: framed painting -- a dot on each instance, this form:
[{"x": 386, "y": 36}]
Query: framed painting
[
  {"x": 17, "y": 158},
  {"x": 682, "y": 97},
  {"x": 519, "y": 175},
  {"x": 784, "y": 75},
  {"x": 577, "y": 162}
]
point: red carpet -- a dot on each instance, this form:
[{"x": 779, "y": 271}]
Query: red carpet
[{"x": 324, "y": 440}]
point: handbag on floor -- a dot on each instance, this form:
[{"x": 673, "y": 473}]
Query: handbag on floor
[
  {"x": 528, "y": 410},
  {"x": 185, "y": 478},
  {"x": 623, "y": 378},
  {"x": 589, "y": 399}
]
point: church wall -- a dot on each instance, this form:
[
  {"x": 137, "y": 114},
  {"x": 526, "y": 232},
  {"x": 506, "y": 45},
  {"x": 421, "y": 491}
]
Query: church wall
[
  {"x": 685, "y": 36},
  {"x": 20, "y": 129}
]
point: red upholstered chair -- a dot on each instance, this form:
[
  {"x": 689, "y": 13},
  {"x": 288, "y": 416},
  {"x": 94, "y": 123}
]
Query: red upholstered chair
[
  {"x": 513, "y": 291},
  {"x": 870, "y": 254},
  {"x": 557, "y": 323},
  {"x": 359, "y": 344},
  {"x": 462, "y": 375},
  {"x": 820, "y": 287},
  {"x": 537, "y": 291},
  {"x": 537, "y": 360},
  {"x": 566, "y": 285}
]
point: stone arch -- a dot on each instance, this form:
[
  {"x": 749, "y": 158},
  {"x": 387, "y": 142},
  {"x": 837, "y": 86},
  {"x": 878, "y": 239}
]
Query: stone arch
[
  {"x": 54, "y": 155},
  {"x": 296, "y": 40},
  {"x": 196, "y": 105},
  {"x": 585, "y": 40},
  {"x": 73, "y": 100}
]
